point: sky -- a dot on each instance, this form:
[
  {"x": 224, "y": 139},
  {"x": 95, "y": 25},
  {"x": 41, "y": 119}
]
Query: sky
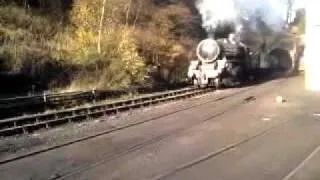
[{"x": 299, "y": 4}]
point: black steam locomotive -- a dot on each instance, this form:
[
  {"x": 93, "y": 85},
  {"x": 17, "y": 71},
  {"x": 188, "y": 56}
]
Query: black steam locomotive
[{"x": 221, "y": 62}]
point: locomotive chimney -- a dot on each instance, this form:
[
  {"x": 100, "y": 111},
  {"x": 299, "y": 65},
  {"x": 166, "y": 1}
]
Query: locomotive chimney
[{"x": 210, "y": 33}]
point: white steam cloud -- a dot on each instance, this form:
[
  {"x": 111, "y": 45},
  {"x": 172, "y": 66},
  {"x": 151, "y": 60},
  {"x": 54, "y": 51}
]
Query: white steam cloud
[{"x": 248, "y": 13}]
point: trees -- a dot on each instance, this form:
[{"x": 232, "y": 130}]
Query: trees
[{"x": 97, "y": 43}]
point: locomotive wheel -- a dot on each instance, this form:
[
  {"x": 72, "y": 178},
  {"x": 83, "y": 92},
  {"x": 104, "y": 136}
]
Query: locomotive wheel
[
  {"x": 217, "y": 83},
  {"x": 196, "y": 83}
]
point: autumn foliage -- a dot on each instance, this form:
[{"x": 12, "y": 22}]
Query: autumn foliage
[{"x": 57, "y": 42}]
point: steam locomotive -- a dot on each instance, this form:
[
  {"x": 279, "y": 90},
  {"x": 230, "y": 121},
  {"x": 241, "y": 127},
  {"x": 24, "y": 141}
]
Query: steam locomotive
[{"x": 221, "y": 62}]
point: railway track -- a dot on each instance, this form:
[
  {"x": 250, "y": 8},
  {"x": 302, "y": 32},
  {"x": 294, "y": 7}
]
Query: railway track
[
  {"x": 138, "y": 146},
  {"x": 40, "y": 102},
  {"x": 30, "y": 154},
  {"x": 29, "y": 123},
  {"x": 168, "y": 136},
  {"x": 215, "y": 153},
  {"x": 16, "y": 106}
]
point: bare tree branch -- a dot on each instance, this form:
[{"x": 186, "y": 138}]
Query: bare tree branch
[
  {"x": 137, "y": 14},
  {"x": 128, "y": 11},
  {"x": 100, "y": 26}
]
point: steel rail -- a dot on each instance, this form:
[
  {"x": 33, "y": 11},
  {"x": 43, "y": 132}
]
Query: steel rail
[
  {"x": 139, "y": 145},
  {"x": 29, "y": 123},
  {"x": 60, "y": 98},
  {"x": 162, "y": 138},
  {"x": 218, "y": 152},
  {"x": 39, "y": 103},
  {"x": 245, "y": 99}
]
